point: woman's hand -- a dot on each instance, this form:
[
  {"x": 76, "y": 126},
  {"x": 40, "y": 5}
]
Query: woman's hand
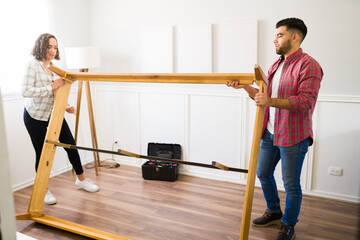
[
  {"x": 57, "y": 83},
  {"x": 71, "y": 109}
]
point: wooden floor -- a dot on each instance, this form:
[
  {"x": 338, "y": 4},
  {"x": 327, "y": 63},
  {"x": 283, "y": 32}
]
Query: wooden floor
[{"x": 190, "y": 208}]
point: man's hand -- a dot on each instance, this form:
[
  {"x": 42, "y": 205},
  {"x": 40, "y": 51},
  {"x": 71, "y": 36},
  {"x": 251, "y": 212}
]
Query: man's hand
[
  {"x": 235, "y": 84},
  {"x": 249, "y": 89},
  {"x": 262, "y": 99}
]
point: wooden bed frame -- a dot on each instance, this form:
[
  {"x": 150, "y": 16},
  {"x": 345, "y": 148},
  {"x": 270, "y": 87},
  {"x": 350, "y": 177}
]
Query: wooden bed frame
[{"x": 35, "y": 212}]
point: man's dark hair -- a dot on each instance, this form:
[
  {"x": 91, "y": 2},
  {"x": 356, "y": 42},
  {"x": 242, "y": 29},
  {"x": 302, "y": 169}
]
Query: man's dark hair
[{"x": 294, "y": 24}]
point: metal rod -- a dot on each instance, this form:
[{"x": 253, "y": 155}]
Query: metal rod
[{"x": 214, "y": 164}]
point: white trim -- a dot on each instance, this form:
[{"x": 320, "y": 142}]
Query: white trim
[
  {"x": 309, "y": 168},
  {"x": 138, "y": 115},
  {"x": 11, "y": 96},
  {"x": 184, "y": 151},
  {"x": 187, "y": 90},
  {"x": 31, "y": 181},
  {"x": 214, "y": 177},
  {"x": 339, "y": 98},
  {"x": 334, "y": 196},
  {"x": 242, "y": 139}
]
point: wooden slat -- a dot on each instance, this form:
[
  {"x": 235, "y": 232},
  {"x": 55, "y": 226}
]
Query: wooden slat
[
  {"x": 23, "y": 216},
  {"x": 255, "y": 147},
  {"x": 58, "y": 71},
  {"x": 92, "y": 126},
  {"x": 78, "y": 106},
  {"x": 48, "y": 151},
  {"x": 200, "y": 78},
  {"x": 260, "y": 75},
  {"x": 77, "y": 228}
]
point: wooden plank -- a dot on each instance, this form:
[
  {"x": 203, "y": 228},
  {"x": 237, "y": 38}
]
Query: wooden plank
[
  {"x": 92, "y": 126},
  {"x": 78, "y": 106},
  {"x": 48, "y": 151},
  {"x": 77, "y": 228},
  {"x": 186, "y": 78},
  {"x": 250, "y": 184},
  {"x": 260, "y": 75},
  {"x": 23, "y": 216}
]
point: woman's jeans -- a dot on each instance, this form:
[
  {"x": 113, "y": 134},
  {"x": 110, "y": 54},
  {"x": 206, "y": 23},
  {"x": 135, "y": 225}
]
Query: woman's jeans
[{"x": 292, "y": 159}]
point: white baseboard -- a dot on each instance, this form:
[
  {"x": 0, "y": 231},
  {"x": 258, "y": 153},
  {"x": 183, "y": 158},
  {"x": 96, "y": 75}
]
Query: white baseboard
[
  {"x": 333, "y": 196},
  {"x": 30, "y": 182}
]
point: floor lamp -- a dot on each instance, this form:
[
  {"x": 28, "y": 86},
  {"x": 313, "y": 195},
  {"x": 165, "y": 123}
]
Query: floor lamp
[{"x": 83, "y": 58}]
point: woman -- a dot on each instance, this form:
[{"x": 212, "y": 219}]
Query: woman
[{"x": 38, "y": 89}]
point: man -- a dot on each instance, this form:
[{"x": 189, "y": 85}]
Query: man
[{"x": 289, "y": 102}]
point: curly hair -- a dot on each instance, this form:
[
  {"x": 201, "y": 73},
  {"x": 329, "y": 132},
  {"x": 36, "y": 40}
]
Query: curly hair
[{"x": 41, "y": 46}]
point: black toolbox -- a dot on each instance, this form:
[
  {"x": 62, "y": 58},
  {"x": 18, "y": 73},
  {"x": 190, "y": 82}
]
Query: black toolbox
[{"x": 159, "y": 170}]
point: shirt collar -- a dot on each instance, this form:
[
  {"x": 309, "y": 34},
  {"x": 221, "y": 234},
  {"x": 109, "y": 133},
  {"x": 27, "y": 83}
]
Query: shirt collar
[
  {"x": 292, "y": 57},
  {"x": 295, "y": 55},
  {"x": 40, "y": 62}
]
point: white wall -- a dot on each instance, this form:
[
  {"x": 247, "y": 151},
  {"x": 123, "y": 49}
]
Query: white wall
[
  {"x": 210, "y": 122},
  {"x": 70, "y": 24},
  {"x": 328, "y": 23},
  {"x": 115, "y": 26}
]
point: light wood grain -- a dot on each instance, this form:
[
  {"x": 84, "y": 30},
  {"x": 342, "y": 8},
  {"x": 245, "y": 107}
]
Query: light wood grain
[
  {"x": 199, "y": 78},
  {"x": 250, "y": 183},
  {"x": 48, "y": 151},
  {"x": 76, "y": 228}
]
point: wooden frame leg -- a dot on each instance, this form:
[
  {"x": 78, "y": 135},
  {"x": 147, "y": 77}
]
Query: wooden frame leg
[
  {"x": 35, "y": 212},
  {"x": 48, "y": 151},
  {"x": 91, "y": 118},
  {"x": 78, "y": 105},
  {"x": 250, "y": 184},
  {"x": 92, "y": 126}
]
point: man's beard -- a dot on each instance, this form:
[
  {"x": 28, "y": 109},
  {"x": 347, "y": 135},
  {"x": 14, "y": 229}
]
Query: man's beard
[{"x": 284, "y": 49}]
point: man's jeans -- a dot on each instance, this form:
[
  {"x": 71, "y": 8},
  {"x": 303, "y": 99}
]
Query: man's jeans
[{"x": 292, "y": 159}]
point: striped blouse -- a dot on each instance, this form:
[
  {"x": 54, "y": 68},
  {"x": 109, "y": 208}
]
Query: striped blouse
[{"x": 36, "y": 90}]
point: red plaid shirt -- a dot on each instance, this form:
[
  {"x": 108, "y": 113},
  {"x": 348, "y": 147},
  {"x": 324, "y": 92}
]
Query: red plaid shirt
[{"x": 300, "y": 83}]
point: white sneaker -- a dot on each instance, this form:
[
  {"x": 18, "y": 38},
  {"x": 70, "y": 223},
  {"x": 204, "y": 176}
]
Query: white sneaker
[
  {"x": 87, "y": 185},
  {"x": 49, "y": 198}
]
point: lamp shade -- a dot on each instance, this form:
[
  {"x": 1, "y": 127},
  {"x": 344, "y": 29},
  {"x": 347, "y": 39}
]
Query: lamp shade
[{"x": 82, "y": 57}]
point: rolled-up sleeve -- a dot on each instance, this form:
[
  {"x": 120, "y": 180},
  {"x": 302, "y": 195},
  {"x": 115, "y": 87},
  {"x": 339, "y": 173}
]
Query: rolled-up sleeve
[{"x": 308, "y": 87}]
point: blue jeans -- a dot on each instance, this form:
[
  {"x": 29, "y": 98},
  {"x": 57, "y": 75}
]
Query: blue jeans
[{"x": 292, "y": 159}]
